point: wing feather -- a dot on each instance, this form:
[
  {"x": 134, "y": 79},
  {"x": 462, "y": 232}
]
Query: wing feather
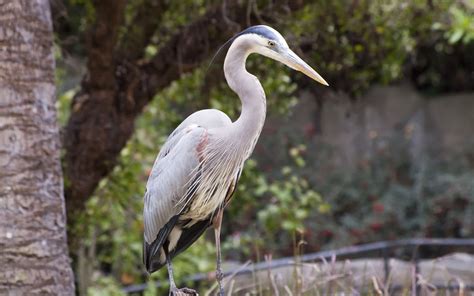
[{"x": 169, "y": 180}]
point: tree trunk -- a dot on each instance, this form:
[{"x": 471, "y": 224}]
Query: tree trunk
[{"x": 33, "y": 247}]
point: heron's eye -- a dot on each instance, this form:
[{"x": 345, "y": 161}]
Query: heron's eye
[{"x": 271, "y": 43}]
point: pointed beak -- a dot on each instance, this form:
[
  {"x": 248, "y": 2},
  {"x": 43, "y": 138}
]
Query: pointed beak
[{"x": 293, "y": 61}]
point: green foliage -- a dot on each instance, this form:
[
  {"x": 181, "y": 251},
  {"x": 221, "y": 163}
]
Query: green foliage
[
  {"x": 292, "y": 202},
  {"x": 63, "y": 106},
  {"x": 291, "y": 199},
  {"x": 442, "y": 61},
  {"x": 280, "y": 207},
  {"x": 462, "y": 23},
  {"x": 360, "y": 43},
  {"x": 356, "y": 44},
  {"x": 105, "y": 286}
]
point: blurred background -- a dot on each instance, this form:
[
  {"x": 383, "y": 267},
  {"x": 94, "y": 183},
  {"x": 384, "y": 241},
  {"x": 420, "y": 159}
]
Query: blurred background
[{"x": 386, "y": 152}]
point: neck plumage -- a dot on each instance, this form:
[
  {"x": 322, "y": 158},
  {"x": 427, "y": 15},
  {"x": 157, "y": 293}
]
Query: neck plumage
[{"x": 248, "y": 88}]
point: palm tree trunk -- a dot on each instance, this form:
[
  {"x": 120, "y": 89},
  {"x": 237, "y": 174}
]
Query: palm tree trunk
[{"x": 33, "y": 247}]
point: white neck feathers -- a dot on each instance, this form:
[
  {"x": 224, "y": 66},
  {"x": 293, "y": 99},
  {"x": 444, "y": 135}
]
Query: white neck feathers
[{"x": 246, "y": 85}]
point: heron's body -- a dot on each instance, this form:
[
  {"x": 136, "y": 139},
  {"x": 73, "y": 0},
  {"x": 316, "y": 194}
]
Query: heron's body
[{"x": 197, "y": 169}]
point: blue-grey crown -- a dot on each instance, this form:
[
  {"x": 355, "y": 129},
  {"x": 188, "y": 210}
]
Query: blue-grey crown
[{"x": 261, "y": 30}]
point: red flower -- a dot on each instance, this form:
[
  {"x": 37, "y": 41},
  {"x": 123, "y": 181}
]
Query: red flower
[
  {"x": 309, "y": 130},
  {"x": 377, "y": 207},
  {"x": 375, "y": 226},
  {"x": 326, "y": 233},
  {"x": 356, "y": 232}
]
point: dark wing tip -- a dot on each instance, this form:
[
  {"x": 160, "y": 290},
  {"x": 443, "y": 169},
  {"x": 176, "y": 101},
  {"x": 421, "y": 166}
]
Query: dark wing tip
[
  {"x": 190, "y": 235},
  {"x": 152, "y": 262},
  {"x": 151, "y": 252}
]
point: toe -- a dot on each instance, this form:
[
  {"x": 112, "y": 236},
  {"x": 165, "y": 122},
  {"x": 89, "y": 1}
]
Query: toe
[{"x": 183, "y": 292}]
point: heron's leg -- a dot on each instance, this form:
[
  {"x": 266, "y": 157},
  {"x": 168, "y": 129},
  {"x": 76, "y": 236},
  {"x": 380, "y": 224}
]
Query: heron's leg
[
  {"x": 174, "y": 291},
  {"x": 170, "y": 271},
  {"x": 217, "y": 222}
]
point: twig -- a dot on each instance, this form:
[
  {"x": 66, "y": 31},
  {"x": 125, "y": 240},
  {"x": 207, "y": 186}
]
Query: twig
[
  {"x": 231, "y": 277},
  {"x": 287, "y": 289},
  {"x": 271, "y": 278},
  {"x": 376, "y": 286}
]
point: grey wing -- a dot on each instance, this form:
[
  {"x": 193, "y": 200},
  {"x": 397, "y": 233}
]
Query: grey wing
[{"x": 170, "y": 179}]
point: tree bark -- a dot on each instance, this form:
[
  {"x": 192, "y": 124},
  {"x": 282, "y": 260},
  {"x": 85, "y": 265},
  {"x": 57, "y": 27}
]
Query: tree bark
[{"x": 33, "y": 248}]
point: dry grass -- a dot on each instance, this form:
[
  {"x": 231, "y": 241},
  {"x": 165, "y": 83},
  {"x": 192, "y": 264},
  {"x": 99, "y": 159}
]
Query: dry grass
[{"x": 358, "y": 277}]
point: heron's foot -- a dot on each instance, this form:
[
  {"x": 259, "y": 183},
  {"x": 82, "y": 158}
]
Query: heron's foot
[
  {"x": 220, "y": 291},
  {"x": 183, "y": 292},
  {"x": 219, "y": 278}
]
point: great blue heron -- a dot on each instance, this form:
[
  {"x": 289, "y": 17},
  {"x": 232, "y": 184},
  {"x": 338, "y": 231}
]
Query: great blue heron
[{"x": 197, "y": 169}]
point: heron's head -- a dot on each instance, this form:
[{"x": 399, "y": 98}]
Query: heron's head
[{"x": 267, "y": 41}]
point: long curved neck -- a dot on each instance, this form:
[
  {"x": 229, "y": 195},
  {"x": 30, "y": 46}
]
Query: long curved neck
[{"x": 247, "y": 87}]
